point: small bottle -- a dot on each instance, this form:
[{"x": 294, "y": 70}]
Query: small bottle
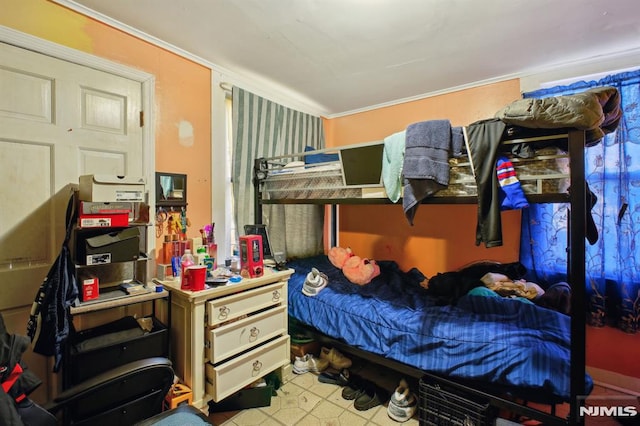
[
  {"x": 186, "y": 261},
  {"x": 235, "y": 259}
]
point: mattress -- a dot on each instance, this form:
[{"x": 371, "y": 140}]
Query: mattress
[{"x": 514, "y": 346}]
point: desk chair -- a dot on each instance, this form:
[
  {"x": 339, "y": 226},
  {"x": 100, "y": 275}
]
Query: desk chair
[{"x": 125, "y": 395}]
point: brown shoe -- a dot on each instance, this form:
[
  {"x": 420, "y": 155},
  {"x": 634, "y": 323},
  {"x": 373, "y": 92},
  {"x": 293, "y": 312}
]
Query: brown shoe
[{"x": 335, "y": 358}]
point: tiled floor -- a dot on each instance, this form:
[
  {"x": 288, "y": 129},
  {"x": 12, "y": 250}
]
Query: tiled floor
[{"x": 304, "y": 401}]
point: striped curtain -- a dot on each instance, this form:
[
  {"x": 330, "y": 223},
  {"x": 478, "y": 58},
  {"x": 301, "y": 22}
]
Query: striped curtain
[{"x": 262, "y": 128}]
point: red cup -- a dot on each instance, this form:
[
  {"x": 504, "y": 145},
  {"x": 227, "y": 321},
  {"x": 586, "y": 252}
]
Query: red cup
[{"x": 197, "y": 276}]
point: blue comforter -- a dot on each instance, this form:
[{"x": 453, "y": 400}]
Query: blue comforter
[{"x": 514, "y": 346}]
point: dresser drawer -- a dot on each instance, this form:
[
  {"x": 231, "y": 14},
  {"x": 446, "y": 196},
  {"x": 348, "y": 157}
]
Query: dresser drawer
[
  {"x": 227, "y": 378},
  {"x": 236, "y": 305},
  {"x": 238, "y": 336}
]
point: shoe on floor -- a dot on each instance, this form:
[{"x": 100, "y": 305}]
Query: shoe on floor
[
  {"x": 314, "y": 282},
  {"x": 403, "y": 403},
  {"x": 355, "y": 387},
  {"x": 371, "y": 396},
  {"x": 306, "y": 363},
  {"x": 341, "y": 378},
  {"x": 335, "y": 358}
]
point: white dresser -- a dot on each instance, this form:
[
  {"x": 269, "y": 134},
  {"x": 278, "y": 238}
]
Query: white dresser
[{"x": 227, "y": 337}]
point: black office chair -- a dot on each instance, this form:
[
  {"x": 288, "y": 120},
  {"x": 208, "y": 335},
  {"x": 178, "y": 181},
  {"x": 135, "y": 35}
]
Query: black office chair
[{"x": 127, "y": 395}]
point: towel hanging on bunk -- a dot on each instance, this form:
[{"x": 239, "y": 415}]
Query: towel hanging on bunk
[
  {"x": 392, "y": 159},
  {"x": 426, "y": 161}
]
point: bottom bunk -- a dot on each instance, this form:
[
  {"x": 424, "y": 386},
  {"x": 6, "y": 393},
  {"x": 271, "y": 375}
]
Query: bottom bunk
[{"x": 501, "y": 349}]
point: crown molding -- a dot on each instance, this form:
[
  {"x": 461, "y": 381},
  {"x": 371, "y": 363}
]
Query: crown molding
[{"x": 254, "y": 84}]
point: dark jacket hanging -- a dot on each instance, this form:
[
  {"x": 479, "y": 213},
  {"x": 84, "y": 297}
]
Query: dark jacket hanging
[{"x": 55, "y": 296}]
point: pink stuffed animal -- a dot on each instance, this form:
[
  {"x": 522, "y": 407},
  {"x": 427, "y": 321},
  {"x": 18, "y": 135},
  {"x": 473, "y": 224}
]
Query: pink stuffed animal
[
  {"x": 338, "y": 256},
  {"x": 360, "y": 271}
]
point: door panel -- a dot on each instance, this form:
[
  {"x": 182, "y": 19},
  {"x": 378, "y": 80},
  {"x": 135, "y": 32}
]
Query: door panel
[
  {"x": 25, "y": 95},
  {"x": 58, "y": 120},
  {"x": 103, "y": 112}
]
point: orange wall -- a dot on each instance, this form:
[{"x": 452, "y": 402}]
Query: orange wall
[
  {"x": 182, "y": 91},
  {"x": 443, "y": 236}
]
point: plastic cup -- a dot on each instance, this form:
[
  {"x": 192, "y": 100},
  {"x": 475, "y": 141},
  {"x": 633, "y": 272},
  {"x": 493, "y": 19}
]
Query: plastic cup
[{"x": 197, "y": 276}]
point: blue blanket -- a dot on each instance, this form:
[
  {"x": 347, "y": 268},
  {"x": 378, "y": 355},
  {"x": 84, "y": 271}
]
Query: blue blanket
[{"x": 519, "y": 347}]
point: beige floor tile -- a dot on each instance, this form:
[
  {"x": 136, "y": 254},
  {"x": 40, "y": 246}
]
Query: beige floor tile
[
  {"x": 367, "y": 414},
  {"x": 322, "y": 389},
  {"x": 308, "y": 401},
  {"x": 250, "y": 417},
  {"x": 351, "y": 419},
  {"x": 291, "y": 388},
  {"x": 327, "y": 410},
  {"x": 304, "y": 380},
  {"x": 336, "y": 398},
  {"x": 309, "y": 420},
  {"x": 289, "y": 401},
  {"x": 290, "y": 416}
]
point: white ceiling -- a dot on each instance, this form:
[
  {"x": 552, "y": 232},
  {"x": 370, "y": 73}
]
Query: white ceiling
[{"x": 344, "y": 55}]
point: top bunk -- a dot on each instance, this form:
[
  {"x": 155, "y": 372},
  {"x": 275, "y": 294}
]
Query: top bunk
[
  {"x": 540, "y": 142},
  {"x": 353, "y": 174}
]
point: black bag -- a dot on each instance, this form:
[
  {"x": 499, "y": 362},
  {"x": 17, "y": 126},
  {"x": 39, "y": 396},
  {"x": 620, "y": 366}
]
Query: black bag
[{"x": 55, "y": 296}]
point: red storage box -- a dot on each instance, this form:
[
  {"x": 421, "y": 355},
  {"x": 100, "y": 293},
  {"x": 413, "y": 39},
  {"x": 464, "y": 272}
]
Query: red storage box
[
  {"x": 90, "y": 289},
  {"x": 103, "y": 220}
]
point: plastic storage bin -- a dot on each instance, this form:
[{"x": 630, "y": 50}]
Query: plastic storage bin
[{"x": 441, "y": 404}]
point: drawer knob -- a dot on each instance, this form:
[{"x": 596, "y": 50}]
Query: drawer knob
[
  {"x": 276, "y": 295},
  {"x": 257, "y": 366},
  {"x": 224, "y": 311},
  {"x": 253, "y": 333}
]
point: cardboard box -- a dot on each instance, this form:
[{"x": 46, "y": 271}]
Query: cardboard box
[
  {"x": 301, "y": 349},
  {"x": 109, "y": 188},
  {"x": 110, "y": 247},
  {"x": 90, "y": 289},
  {"x": 92, "y": 208}
]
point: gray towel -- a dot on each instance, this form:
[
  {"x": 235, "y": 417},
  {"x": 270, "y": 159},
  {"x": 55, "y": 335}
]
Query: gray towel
[{"x": 426, "y": 162}]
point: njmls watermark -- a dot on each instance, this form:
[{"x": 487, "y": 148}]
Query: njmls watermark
[{"x": 609, "y": 406}]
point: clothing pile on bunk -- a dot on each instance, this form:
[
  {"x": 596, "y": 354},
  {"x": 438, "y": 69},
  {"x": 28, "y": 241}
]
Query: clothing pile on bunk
[
  {"x": 492, "y": 279},
  {"x": 415, "y": 161}
]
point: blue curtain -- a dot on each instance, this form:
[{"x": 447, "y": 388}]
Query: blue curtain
[{"x": 613, "y": 175}]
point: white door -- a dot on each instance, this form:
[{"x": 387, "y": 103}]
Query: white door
[{"x": 58, "y": 120}]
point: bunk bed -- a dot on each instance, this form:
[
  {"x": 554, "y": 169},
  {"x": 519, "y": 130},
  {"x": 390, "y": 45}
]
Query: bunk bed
[{"x": 351, "y": 175}]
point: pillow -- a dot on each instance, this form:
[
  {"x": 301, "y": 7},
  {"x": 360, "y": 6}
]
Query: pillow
[{"x": 318, "y": 158}]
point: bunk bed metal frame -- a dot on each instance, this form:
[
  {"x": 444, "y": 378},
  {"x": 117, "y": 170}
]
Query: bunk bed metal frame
[{"x": 575, "y": 197}]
